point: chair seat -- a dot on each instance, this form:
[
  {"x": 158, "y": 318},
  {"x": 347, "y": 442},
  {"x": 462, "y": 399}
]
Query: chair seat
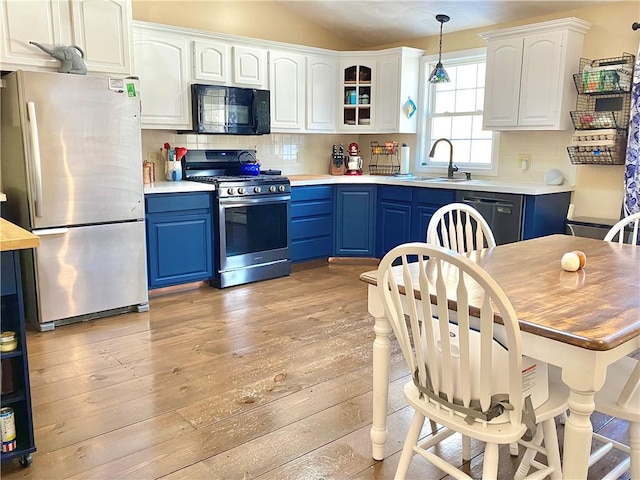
[
  {"x": 501, "y": 433},
  {"x": 607, "y": 398}
]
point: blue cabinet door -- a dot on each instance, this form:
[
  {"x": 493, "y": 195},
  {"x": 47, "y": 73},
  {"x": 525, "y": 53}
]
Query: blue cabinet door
[
  {"x": 355, "y": 220},
  {"x": 545, "y": 214},
  {"x": 311, "y": 222},
  {"x": 394, "y": 217},
  {"x": 427, "y": 201},
  {"x": 179, "y": 239}
]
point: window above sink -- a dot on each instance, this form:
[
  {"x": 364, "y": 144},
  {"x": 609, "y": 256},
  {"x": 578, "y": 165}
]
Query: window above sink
[{"x": 454, "y": 111}]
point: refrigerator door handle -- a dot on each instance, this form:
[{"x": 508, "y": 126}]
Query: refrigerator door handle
[
  {"x": 51, "y": 231},
  {"x": 35, "y": 153}
]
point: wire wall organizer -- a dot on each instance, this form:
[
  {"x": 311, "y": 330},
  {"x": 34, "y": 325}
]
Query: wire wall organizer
[
  {"x": 598, "y": 147},
  {"x": 384, "y": 158},
  {"x": 602, "y": 111},
  {"x": 606, "y": 75}
]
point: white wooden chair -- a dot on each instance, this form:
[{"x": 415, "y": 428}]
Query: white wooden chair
[
  {"x": 618, "y": 229},
  {"x": 620, "y": 398},
  {"x": 462, "y": 378},
  {"x": 620, "y": 395},
  {"x": 460, "y": 227}
]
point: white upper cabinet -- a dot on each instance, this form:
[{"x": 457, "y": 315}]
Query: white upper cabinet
[
  {"x": 249, "y": 67},
  {"x": 529, "y": 83},
  {"x": 162, "y": 63},
  {"x": 376, "y": 87},
  {"x": 211, "y": 61},
  {"x": 396, "y": 83},
  {"x": 357, "y": 91},
  {"x": 101, "y": 28},
  {"x": 287, "y": 86},
  {"x": 322, "y": 78}
]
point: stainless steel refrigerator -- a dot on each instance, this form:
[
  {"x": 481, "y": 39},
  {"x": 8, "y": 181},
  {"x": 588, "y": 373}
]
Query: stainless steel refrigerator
[{"x": 72, "y": 174}]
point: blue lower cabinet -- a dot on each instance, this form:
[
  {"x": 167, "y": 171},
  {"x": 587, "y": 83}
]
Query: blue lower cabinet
[
  {"x": 311, "y": 223},
  {"x": 545, "y": 214},
  {"x": 427, "y": 202},
  {"x": 355, "y": 220},
  {"x": 394, "y": 217},
  {"x": 179, "y": 238}
]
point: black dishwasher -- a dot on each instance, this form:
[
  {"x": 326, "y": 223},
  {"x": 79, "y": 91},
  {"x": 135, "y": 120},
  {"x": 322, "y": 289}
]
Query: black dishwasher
[{"x": 502, "y": 211}]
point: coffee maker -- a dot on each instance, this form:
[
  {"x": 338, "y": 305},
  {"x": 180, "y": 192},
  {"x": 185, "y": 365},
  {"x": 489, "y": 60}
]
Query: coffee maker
[{"x": 354, "y": 160}]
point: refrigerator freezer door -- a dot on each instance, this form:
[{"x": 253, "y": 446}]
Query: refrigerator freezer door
[
  {"x": 86, "y": 130},
  {"x": 86, "y": 270}
]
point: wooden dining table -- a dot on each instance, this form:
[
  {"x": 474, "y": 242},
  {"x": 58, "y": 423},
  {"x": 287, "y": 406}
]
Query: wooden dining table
[{"x": 579, "y": 321}]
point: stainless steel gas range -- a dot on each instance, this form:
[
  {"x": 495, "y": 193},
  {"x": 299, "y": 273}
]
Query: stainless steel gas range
[{"x": 251, "y": 235}]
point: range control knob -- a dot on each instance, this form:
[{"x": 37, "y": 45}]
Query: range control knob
[
  {"x": 272, "y": 189},
  {"x": 281, "y": 188},
  {"x": 257, "y": 189},
  {"x": 242, "y": 190},
  {"x": 230, "y": 191}
]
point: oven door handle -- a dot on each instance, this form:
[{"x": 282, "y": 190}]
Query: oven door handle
[{"x": 242, "y": 201}]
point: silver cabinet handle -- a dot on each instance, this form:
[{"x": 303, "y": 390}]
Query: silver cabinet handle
[{"x": 35, "y": 156}]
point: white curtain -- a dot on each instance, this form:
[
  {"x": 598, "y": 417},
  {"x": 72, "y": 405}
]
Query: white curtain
[{"x": 632, "y": 164}]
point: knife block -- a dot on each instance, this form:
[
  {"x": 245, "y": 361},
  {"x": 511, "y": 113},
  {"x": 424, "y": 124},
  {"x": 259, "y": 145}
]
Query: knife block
[{"x": 337, "y": 170}]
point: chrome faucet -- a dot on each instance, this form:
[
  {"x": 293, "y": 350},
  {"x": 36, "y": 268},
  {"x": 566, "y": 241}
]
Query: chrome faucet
[{"x": 452, "y": 168}]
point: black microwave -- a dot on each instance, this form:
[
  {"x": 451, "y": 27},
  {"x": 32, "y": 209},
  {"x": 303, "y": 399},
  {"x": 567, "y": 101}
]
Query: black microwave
[{"x": 230, "y": 110}]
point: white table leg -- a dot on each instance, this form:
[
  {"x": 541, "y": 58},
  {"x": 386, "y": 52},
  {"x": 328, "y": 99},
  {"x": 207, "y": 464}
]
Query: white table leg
[
  {"x": 381, "y": 359},
  {"x": 577, "y": 435}
]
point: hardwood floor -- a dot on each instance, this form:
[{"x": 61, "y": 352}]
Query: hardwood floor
[{"x": 264, "y": 381}]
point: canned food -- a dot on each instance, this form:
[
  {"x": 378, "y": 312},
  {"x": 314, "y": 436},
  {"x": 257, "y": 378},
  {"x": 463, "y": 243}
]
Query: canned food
[
  {"x": 8, "y": 341},
  {"x": 7, "y": 429}
]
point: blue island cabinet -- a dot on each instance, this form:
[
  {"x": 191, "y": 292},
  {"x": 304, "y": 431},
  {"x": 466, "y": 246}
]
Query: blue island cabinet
[
  {"x": 355, "y": 220},
  {"x": 179, "y": 238},
  {"x": 311, "y": 222}
]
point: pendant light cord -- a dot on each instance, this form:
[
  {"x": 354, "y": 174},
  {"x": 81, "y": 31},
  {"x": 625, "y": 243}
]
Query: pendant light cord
[{"x": 440, "y": 47}]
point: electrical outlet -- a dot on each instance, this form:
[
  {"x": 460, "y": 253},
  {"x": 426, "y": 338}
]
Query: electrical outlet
[{"x": 524, "y": 160}]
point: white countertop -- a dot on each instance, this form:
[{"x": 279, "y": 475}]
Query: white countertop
[
  {"x": 498, "y": 186},
  {"x": 178, "y": 187}
]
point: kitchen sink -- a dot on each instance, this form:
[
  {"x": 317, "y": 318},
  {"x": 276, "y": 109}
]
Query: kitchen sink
[{"x": 446, "y": 179}]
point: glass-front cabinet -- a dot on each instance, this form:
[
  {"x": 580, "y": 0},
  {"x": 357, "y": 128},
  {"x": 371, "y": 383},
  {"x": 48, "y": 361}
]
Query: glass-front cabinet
[{"x": 357, "y": 94}]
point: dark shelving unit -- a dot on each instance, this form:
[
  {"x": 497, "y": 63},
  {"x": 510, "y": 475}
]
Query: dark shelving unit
[{"x": 15, "y": 362}]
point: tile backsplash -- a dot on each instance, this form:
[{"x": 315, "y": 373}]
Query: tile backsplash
[
  {"x": 598, "y": 189},
  {"x": 291, "y": 153}
]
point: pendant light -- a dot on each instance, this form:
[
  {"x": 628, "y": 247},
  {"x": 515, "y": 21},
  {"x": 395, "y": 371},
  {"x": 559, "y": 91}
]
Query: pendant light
[{"x": 439, "y": 74}]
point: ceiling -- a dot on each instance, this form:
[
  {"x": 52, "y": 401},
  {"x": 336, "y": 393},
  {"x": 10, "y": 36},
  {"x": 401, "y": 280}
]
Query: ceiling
[{"x": 370, "y": 23}]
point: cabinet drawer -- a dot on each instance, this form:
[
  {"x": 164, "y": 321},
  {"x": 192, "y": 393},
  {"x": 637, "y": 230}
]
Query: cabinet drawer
[
  {"x": 319, "y": 192},
  {"x": 311, "y": 248},
  {"x": 399, "y": 194},
  {"x": 312, "y": 208},
  {"x": 178, "y": 202},
  {"x": 311, "y": 227},
  {"x": 435, "y": 196}
]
